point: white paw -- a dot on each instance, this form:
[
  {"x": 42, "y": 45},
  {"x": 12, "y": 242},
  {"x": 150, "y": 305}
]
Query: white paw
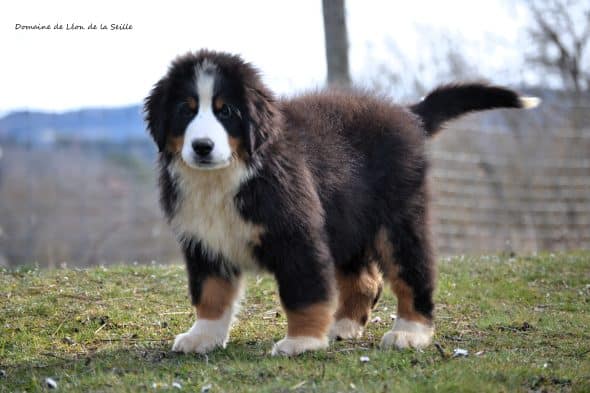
[
  {"x": 198, "y": 343},
  {"x": 408, "y": 334},
  {"x": 204, "y": 336},
  {"x": 345, "y": 329},
  {"x": 291, "y": 346}
]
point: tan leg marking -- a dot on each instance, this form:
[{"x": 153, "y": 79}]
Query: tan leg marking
[
  {"x": 216, "y": 296},
  {"x": 403, "y": 292},
  {"x": 357, "y": 293},
  {"x": 307, "y": 330},
  {"x": 405, "y": 298},
  {"x": 312, "y": 321},
  {"x": 215, "y": 311},
  {"x": 384, "y": 248}
]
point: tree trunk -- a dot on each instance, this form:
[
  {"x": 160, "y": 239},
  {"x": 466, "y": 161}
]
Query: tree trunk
[{"x": 336, "y": 42}]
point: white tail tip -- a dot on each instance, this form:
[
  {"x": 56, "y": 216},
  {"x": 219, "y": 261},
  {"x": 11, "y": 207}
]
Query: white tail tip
[{"x": 529, "y": 102}]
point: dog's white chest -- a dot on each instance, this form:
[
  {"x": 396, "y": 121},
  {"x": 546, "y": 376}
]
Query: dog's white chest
[{"x": 207, "y": 213}]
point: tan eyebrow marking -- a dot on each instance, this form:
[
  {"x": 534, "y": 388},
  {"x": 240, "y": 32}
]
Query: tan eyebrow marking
[
  {"x": 218, "y": 103},
  {"x": 192, "y": 103}
]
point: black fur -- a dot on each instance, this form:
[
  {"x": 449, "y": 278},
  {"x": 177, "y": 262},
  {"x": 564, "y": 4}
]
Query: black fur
[
  {"x": 450, "y": 101},
  {"x": 331, "y": 170}
]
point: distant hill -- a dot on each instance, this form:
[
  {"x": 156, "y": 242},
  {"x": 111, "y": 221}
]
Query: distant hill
[{"x": 115, "y": 125}]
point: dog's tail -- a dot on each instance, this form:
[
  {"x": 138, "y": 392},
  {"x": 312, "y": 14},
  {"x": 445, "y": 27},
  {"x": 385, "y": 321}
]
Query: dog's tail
[{"x": 450, "y": 101}]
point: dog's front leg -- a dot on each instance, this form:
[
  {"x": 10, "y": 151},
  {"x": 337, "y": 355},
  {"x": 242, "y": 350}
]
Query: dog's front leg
[
  {"x": 305, "y": 276},
  {"x": 307, "y": 330},
  {"x": 215, "y": 293}
]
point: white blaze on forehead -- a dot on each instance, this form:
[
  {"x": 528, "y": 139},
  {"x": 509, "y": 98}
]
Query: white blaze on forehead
[
  {"x": 205, "y": 83},
  {"x": 205, "y": 124}
]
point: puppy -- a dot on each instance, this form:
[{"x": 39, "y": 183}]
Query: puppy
[{"x": 327, "y": 191}]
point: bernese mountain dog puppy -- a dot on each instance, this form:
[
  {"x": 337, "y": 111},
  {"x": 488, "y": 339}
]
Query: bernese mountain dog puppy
[{"x": 327, "y": 191}]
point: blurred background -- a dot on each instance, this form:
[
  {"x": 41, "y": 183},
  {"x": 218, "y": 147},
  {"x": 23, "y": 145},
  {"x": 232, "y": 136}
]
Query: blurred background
[{"x": 77, "y": 178}]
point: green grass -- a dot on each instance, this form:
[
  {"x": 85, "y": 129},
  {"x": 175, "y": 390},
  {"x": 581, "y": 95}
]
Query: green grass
[{"x": 525, "y": 322}]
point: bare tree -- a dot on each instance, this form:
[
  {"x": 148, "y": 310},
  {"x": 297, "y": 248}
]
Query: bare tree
[
  {"x": 336, "y": 42},
  {"x": 561, "y": 34}
]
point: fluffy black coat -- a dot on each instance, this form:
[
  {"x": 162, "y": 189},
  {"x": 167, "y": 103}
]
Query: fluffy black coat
[{"x": 338, "y": 182}]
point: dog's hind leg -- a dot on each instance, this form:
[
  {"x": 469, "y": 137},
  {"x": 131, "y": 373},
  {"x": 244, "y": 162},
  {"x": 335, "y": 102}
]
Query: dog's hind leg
[
  {"x": 358, "y": 292},
  {"x": 409, "y": 266}
]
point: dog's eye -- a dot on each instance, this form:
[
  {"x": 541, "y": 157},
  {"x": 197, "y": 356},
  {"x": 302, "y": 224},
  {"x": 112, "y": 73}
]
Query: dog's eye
[{"x": 225, "y": 112}]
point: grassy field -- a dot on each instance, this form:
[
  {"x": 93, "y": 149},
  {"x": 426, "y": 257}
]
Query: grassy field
[{"x": 525, "y": 322}]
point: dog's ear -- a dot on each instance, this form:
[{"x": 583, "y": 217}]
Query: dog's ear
[
  {"x": 155, "y": 112},
  {"x": 263, "y": 116}
]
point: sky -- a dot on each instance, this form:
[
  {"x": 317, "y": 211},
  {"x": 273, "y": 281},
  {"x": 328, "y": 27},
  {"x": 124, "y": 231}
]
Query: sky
[{"x": 58, "y": 70}]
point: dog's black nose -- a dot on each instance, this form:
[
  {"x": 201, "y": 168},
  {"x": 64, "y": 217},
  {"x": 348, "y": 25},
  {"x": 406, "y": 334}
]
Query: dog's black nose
[{"x": 203, "y": 146}]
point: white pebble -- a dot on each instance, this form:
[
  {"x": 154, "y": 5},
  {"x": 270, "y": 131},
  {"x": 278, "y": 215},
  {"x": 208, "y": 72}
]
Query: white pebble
[
  {"x": 206, "y": 388},
  {"x": 50, "y": 383}
]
